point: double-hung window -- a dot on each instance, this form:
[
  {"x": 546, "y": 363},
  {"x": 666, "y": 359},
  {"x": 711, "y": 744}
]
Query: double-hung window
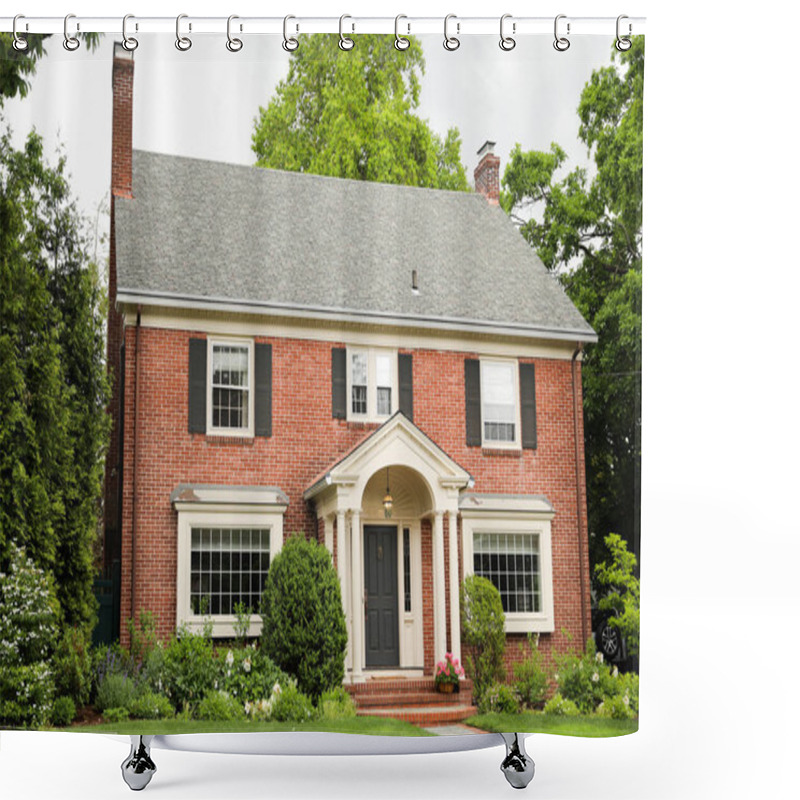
[
  {"x": 372, "y": 384},
  {"x": 511, "y": 562},
  {"x": 499, "y": 412},
  {"x": 230, "y": 387}
]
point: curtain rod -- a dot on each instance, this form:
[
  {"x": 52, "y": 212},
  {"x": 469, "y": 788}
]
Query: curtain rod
[{"x": 407, "y": 25}]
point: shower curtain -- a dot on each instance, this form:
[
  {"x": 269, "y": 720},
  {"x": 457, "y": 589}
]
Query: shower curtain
[{"x": 320, "y": 382}]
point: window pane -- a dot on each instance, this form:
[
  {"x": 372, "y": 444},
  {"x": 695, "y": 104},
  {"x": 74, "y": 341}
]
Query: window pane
[
  {"x": 406, "y": 569},
  {"x": 511, "y": 562},
  {"x": 359, "y": 399},
  {"x": 383, "y": 370},
  {"x": 384, "y": 401},
  {"x": 359, "y": 369},
  {"x": 498, "y": 402},
  {"x": 231, "y": 365}
]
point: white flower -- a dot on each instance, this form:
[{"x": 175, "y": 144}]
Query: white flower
[
  {"x": 229, "y": 658},
  {"x": 276, "y": 689},
  {"x": 626, "y": 699},
  {"x": 246, "y": 665},
  {"x": 247, "y": 707},
  {"x": 595, "y": 677},
  {"x": 599, "y": 658},
  {"x": 614, "y": 672}
]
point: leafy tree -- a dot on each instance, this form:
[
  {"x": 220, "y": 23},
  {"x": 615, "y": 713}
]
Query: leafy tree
[
  {"x": 351, "y": 115},
  {"x": 588, "y": 231},
  {"x": 617, "y": 579},
  {"x": 53, "y": 389}
]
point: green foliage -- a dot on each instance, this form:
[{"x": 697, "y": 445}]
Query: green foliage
[
  {"x": 249, "y": 674},
  {"x": 616, "y": 707},
  {"x": 589, "y": 232},
  {"x": 53, "y": 385},
  {"x": 115, "y": 691},
  {"x": 143, "y": 636},
  {"x": 530, "y": 678},
  {"x": 116, "y": 715},
  {"x": 189, "y": 668},
  {"x": 351, "y": 115},
  {"x": 620, "y": 586},
  {"x": 483, "y": 632},
  {"x": 585, "y": 679},
  {"x": 150, "y": 705},
  {"x": 498, "y": 698},
  {"x": 111, "y": 660},
  {"x": 241, "y": 626},
  {"x": 558, "y": 706},
  {"x": 72, "y": 665},
  {"x": 304, "y": 628},
  {"x": 336, "y": 704},
  {"x": 63, "y": 711},
  {"x": 218, "y": 707},
  {"x": 291, "y": 705},
  {"x": 29, "y": 613}
]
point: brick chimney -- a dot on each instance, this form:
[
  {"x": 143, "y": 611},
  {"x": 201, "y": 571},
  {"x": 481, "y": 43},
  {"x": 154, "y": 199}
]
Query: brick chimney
[
  {"x": 487, "y": 173},
  {"x": 121, "y": 186}
]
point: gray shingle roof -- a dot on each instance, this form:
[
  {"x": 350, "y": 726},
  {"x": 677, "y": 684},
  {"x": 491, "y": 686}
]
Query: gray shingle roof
[{"x": 200, "y": 232}]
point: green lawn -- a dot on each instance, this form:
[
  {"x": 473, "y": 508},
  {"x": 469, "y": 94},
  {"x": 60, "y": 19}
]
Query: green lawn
[
  {"x": 373, "y": 726},
  {"x": 536, "y": 722}
]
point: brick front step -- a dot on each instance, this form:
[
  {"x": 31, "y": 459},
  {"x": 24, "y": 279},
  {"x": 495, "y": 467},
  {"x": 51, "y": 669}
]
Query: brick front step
[
  {"x": 423, "y": 716},
  {"x": 397, "y": 686},
  {"x": 395, "y": 699}
]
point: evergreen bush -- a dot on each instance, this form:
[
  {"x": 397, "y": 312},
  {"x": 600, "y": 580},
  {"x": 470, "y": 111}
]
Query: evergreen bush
[
  {"x": 304, "y": 628},
  {"x": 63, "y": 712}
]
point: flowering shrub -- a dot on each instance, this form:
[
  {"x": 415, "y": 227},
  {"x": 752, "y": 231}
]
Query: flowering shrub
[
  {"x": 616, "y": 707},
  {"x": 117, "y": 690},
  {"x": 28, "y": 615},
  {"x": 530, "y": 679},
  {"x": 561, "y": 707},
  {"x": 248, "y": 673},
  {"x": 190, "y": 668},
  {"x": 285, "y": 704},
  {"x": 449, "y": 670},
  {"x": 112, "y": 660},
  {"x": 498, "y": 698}
]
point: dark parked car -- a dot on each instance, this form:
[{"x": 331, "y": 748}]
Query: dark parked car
[{"x": 607, "y": 638}]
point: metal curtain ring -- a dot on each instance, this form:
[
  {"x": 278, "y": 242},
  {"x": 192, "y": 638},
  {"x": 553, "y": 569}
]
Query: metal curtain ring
[
  {"x": 561, "y": 43},
  {"x": 183, "y": 43},
  {"x": 507, "y": 42},
  {"x": 451, "y": 42},
  {"x": 400, "y": 42},
  {"x": 290, "y": 44},
  {"x": 233, "y": 44},
  {"x": 20, "y": 42},
  {"x": 71, "y": 43},
  {"x": 128, "y": 42},
  {"x": 623, "y": 43},
  {"x": 345, "y": 42}
]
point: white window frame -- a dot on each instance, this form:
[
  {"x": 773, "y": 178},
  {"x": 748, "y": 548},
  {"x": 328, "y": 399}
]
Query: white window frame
[
  {"x": 473, "y": 522},
  {"x": 220, "y": 516},
  {"x": 372, "y": 386},
  {"x": 491, "y": 443},
  {"x": 249, "y": 431}
]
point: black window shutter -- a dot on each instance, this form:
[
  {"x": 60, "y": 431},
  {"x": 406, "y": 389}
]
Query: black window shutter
[
  {"x": 263, "y": 387},
  {"x": 527, "y": 396},
  {"x": 405, "y": 375},
  {"x": 472, "y": 392},
  {"x": 198, "y": 349},
  {"x": 339, "y": 382}
]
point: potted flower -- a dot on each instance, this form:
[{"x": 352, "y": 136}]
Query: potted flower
[{"x": 448, "y": 673}]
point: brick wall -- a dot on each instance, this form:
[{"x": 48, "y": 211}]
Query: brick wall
[{"x": 306, "y": 440}]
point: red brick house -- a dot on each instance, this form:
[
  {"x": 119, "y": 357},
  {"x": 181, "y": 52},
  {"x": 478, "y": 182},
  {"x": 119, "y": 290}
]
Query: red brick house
[{"x": 288, "y": 350}]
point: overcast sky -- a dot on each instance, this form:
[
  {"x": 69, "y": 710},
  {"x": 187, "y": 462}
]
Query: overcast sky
[{"x": 202, "y": 103}]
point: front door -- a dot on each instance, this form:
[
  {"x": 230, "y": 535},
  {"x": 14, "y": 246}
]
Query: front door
[{"x": 380, "y": 578}]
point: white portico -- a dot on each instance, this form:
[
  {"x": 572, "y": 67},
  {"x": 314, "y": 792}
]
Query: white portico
[{"x": 381, "y": 560}]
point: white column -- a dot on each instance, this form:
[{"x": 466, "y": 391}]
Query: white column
[
  {"x": 357, "y": 603},
  {"x": 341, "y": 568},
  {"x": 328, "y": 526},
  {"x": 439, "y": 616},
  {"x": 455, "y": 605}
]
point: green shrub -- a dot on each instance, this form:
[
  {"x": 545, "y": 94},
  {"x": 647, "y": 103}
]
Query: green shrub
[
  {"x": 189, "y": 668},
  {"x": 586, "y": 679},
  {"x": 291, "y": 705},
  {"x": 142, "y": 636},
  {"x": 616, "y": 707},
  {"x": 498, "y": 698},
  {"x": 116, "y": 691},
  {"x": 72, "y": 665},
  {"x": 29, "y": 613},
  {"x": 304, "y": 628},
  {"x": 218, "y": 707},
  {"x": 116, "y": 715},
  {"x": 336, "y": 704},
  {"x": 530, "y": 679},
  {"x": 111, "y": 660},
  {"x": 483, "y": 633},
  {"x": 149, "y": 705},
  {"x": 628, "y": 684},
  {"x": 63, "y": 712},
  {"x": 620, "y": 586},
  {"x": 561, "y": 707},
  {"x": 153, "y": 670},
  {"x": 249, "y": 674}
]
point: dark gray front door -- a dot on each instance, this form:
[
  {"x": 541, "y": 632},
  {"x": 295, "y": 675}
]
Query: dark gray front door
[{"x": 380, "y": 578}]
